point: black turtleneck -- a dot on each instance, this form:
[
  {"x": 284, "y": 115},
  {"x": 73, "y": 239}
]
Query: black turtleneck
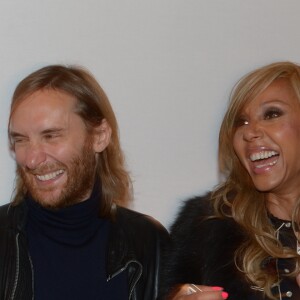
[{"x": 68, "y": 248}]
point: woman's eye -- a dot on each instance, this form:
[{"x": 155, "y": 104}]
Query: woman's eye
[
  {"x": 240, "y": 122},
  {"x": 272, "y": 114}
]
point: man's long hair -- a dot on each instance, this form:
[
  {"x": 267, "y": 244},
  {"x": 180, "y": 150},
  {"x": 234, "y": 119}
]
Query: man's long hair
[
  {"x": 92, "y": 106},
  {"x": 237, "y": 196}
]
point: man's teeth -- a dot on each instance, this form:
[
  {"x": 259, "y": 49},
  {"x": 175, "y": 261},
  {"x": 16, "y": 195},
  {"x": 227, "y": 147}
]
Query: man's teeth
[
  {"x": 262, "y": 155},
  {"x": 49, "y": 176}
]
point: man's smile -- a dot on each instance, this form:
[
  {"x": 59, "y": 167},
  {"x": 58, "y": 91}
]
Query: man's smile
[{"x": 49, "y": 176}]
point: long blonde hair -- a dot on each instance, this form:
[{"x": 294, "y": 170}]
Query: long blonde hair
[
  {"x": 237, "y": 197},
  {"x": 92, "y": 106}
]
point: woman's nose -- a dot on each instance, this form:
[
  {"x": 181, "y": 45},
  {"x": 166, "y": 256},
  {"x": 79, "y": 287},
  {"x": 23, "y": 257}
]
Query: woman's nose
[{"x": 252, "y": 131}]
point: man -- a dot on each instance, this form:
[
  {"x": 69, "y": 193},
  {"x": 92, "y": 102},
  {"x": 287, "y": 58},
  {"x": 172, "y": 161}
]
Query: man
[{"x": 65, "y": 235}]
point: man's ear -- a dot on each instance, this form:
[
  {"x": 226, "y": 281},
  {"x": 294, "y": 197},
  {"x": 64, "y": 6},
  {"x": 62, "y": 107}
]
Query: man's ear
[{"x": 102, "y": 136}]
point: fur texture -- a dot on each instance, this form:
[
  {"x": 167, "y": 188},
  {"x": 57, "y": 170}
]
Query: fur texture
[{"x": 202, "y": 252}]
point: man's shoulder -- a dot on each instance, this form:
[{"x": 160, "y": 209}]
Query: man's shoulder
[
  {"x": 4, "y": 208},
  {"x": 134, "y": 235},
  {"x": 133, "y": 219},
  {"x": 11, "y": 215},
  {"x": 4, "y": 214}
]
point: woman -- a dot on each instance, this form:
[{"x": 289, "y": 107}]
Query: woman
[{"x": 244, "y": 236}]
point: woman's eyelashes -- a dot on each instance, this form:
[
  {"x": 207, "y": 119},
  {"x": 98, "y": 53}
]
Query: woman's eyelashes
[
  {"x": 268, "y": 114},
  {"x": 272, "y": 113},
  {"x": 240, "y": 122}
]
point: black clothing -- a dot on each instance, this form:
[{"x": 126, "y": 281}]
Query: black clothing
[
  {"x": 202, "y": 252},
  {"x": 134, "y": 247},
  {"x": 67, "y": 249}
]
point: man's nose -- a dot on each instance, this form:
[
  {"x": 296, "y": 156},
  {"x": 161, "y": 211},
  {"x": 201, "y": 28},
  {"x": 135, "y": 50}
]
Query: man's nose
[{"x": 35, "y": 155}]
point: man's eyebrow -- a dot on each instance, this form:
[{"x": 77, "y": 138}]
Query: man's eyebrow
[
  {"x": 53, "y": 130},
  {"x": 14, "y": 134}
]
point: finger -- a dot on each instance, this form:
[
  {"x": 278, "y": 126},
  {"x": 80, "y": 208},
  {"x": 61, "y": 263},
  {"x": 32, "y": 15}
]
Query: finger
[
  {"x": 192, "y": 292},
  {"x": 193, "y": 288},
  {"x": 206, "y": 288},
  {"x": 200, "y": 296},
  {"x": 210, "y": 292}
]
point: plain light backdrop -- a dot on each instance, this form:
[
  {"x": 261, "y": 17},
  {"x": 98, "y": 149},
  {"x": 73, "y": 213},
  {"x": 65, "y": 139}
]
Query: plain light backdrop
[{"x": 167, "y": 67}]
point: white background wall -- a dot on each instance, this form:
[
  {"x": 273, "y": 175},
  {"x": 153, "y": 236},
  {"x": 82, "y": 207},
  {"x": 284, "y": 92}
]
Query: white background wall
[{"x": 167, "y": 66}]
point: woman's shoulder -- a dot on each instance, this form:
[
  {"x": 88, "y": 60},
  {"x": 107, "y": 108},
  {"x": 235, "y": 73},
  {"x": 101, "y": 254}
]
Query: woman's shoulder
[
  {"x": 198, "y": 204},
  {"x": 197, "y": 215},
  {"x": 203, "y": 245},
  {"x": 192, "y": 210}
]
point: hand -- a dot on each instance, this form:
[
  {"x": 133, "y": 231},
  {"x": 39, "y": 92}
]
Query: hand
[
  {"x": 199, "y": 292},
  {"x": 298, "y": 279}
]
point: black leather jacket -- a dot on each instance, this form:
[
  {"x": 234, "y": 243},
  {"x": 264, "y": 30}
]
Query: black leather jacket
[{"x": 135, "y": 246}]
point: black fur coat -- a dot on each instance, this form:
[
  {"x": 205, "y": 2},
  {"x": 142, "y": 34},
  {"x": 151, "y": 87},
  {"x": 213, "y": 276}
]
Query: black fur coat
[{"x": 203, "y": 253}]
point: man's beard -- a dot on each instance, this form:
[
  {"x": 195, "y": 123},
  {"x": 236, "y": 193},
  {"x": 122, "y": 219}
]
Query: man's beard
[{"x": 80, "y": 180}]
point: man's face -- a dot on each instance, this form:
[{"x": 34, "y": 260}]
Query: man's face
[{"x": 53, "y": 150}]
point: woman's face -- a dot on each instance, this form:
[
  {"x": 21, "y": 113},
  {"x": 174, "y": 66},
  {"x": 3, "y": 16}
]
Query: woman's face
[{"x": 267, "y": 139}]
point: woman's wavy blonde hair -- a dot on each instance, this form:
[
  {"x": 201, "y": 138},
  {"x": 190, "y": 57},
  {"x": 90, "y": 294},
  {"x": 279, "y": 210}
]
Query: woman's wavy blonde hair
[
  {"x": 92, "y": 106},
  {"x": 237, "y": 197}
]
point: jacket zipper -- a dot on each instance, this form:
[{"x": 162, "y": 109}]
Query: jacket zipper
[
  {"x": 32, "y": 276},
  {"x": 136, "y": 279},
  {"x": 17, "y": 268}
]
